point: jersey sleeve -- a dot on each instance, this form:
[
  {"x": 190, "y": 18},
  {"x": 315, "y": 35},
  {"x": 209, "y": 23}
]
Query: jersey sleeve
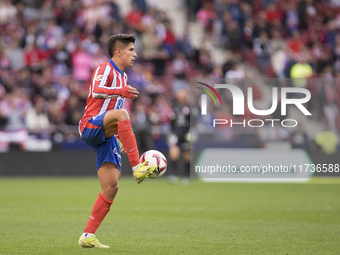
[{"x": 104, "y": 82}]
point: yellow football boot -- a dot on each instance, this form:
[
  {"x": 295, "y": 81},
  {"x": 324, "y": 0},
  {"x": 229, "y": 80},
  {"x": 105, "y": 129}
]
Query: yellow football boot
[
  {"x": 143, "y": 171},
  {"x": 91, "y": 242}
]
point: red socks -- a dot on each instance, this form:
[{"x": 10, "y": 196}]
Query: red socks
[
  {"x": 102, "y": 205},
  {"x": 128, "y": 139},
  {"x": 100, "y": 209}
]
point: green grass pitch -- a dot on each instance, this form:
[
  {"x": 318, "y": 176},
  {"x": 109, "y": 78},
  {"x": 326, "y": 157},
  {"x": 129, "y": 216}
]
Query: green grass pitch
[{"x": 47, "y": 216}]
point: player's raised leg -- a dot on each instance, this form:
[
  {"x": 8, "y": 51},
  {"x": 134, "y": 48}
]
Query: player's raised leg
[
  {"x": 109, "y": 176},
  {"x": 118, "y": 121}
]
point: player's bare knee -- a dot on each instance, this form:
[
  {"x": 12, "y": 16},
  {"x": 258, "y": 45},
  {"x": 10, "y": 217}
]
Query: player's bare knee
[
  {"x": 112, "y": 189},
  {"x": 123, "y": 115},
  {"x": 112, "y": 117}
]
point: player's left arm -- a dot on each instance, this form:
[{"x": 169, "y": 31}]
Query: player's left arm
[
  {"x": 104, "y": 85},
  {"x": 126, "y": 92}
]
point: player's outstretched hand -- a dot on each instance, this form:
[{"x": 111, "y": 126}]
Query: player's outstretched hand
[{"x": 129, "y": 92}]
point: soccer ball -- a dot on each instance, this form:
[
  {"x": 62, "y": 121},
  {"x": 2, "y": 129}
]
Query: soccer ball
[{"x": 155, "y": 158}]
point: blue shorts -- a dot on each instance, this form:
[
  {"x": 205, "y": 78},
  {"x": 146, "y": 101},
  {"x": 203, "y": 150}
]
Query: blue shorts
[{"x": 107, "y": 150}]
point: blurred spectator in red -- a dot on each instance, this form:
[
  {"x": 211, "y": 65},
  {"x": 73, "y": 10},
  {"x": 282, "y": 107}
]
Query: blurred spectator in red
[
  {"x": 170, "y": 39},
  {"x": 296, "y": 43},
  {"x": 134, "y": 17},
  {"x": 273, "y": 13},
  {"x": 35, "y": 56}
]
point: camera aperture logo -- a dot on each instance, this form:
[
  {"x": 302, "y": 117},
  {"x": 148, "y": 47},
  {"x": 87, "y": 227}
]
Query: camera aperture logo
[
  {"x": 204, "y": 97},
  {"x": 239, "y": 104}
]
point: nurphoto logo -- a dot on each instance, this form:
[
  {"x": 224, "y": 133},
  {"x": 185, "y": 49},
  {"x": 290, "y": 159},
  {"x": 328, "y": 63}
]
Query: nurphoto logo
[{"x": 239, "y": 104}]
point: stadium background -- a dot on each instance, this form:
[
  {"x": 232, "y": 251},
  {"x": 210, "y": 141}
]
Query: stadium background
[{"x": 48, "y": 52}]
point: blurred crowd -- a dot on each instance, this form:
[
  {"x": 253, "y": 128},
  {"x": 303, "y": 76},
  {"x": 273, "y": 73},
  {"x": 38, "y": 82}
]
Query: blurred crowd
[
  {"x": 48, "y": 50},
  {"x": 296, "y": 39}
]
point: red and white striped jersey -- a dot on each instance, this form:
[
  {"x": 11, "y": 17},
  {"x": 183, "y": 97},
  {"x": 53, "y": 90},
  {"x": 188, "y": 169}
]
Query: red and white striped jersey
[{"x": 106, "y": 80}]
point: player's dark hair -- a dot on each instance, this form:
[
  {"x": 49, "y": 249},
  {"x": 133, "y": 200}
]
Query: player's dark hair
[{"x": 120, "y": 39}]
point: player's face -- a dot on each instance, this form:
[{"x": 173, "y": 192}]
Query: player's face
[{"x": 129, "y": 55}]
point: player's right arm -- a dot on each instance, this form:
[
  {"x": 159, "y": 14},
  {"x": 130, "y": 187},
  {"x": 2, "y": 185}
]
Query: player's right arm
[{"x": 104, "y": 84}]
